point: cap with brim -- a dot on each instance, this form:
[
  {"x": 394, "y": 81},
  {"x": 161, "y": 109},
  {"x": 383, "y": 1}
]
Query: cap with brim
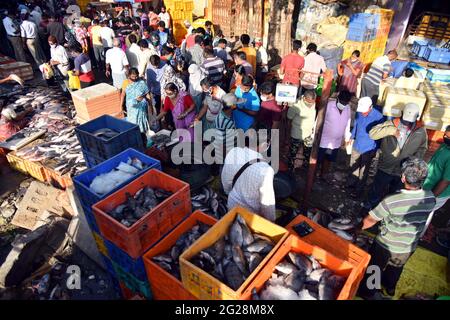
[
  {"x": 23, "y": 11},
  {"x": 364, "y": 104},
  {"x": 410, "y": 112}
]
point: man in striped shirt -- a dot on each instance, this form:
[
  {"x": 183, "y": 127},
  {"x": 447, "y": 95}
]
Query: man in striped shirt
[
  {"x": 225, "y": 127},
  {"x": 403, "y": 217},
  {"x": 378, "y": 71},
  {"x": 213, "y": 67}
]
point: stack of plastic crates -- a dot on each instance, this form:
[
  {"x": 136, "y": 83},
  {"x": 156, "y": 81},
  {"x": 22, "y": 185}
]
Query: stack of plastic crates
[
  {"x": 361, "y": 35},
  {"x": 180, "y": 11},
  {"x": 386, "y": 17}
]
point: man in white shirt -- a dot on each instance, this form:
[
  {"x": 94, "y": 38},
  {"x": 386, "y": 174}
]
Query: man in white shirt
[
  {"x": 58, "y": 55},
  {"x": 314, "y": 65},
  {"x": 253, "y": 188},
  {"x": 164, "y": 16},
  {"x": 133, "y": 52},
  {"x": 147, "y": 50},
  {"x": 30, "y": 38},
  {"x": 262, "y": 61},
  {"x": 116, "y": 64},
  {"x": 107, "y": 35},
  {"x": 13, "y": 32}
]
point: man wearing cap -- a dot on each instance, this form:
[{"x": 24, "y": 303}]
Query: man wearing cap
[
  {"x": 364, "y": 147},
  {"x": 400, "y": 138},
  {"x": 262, "y": 61},
  {"x": 225, "y": 127}
]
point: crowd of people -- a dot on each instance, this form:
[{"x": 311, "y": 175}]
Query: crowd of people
[{"x": 223, "y": 85}]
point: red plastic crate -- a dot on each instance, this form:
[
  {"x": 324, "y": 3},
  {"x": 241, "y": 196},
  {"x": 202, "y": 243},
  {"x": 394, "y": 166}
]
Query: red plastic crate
[
  {"x": 148, "y": 230},
  {"x": 164, "y": 285}
]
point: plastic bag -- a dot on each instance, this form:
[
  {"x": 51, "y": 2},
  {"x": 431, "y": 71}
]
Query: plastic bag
[
  {"x": 320, "y": 87},
  {"x": 74, "y": 81},
  {"x": 152, "y": 120},
  {"x": 47, "y": 71}
]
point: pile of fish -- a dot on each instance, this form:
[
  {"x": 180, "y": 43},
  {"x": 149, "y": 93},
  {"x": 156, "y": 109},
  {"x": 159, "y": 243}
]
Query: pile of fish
[
  {"x": 138, "y": 205},
  {"x": 208, "y": 201},
  {"x": 169, "y": 260},
  {"x": 105, "y": 133},
  {"x": 300, "y": 278},
  {"x": 235, "y": 256},
  {"x": 60, "y": 151},
  {"x": 106, "y": 182}
]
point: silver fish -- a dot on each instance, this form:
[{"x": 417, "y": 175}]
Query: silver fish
[
  {"x": 302, "y": 262},
  {"x": 233, "y": 276},
  {"x": 295, "y": 280},
  {"x": 239, "y": 259},
  {"x": 247, "y": 237},
  {"x": 329, "y": 287},
  {"x": 340, "y": 226},
  {"x": 254, "y": 259},
  {"x": 306, "y": 295},
  {"x": 236, "y": 236},
  {"x": 259, "y": 246},
  {"x": 286, "y": 267}
]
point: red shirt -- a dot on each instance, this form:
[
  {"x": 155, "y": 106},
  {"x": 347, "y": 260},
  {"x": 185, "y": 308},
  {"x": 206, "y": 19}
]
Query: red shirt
[
  {"x": 190, "y": 41},
  {"x": 168, "y": 105},
  {"x": 269, "y": 112},
  {"x": 292, "y": 64}
]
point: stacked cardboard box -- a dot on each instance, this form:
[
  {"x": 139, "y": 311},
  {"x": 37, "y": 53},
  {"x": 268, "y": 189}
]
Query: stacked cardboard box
[{"x": 396, "y": 98}]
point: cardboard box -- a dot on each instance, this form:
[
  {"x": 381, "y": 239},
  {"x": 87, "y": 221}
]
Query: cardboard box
[{"x": 396, "y": 98}]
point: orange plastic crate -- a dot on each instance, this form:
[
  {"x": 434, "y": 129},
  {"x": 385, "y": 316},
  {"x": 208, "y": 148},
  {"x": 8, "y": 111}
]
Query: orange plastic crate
[
  {"x": 148, "y": 230},
  {"x": 164, "y": 285},
  {"x": 336, "y": 246},
  {"x": 325, "y": 258}
]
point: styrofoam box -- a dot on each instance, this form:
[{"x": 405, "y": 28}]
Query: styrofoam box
[{"x": 396, "y": 98}]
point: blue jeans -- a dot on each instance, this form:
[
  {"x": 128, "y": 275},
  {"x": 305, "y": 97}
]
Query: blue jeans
[{"x": 383, "y": 184}]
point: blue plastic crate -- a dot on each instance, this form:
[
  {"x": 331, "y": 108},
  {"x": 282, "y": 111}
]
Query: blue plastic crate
[
  {"x": 365, "y": 20},
  {"x": 419, "y": 47},
  {"x": 435, "y": 75},
  {"x": 417, "y": 69},
  {"x": 82, "y": 181},
  {"x": 109, "y": 266},
  {"x": 133, "y": 266},
  {"x": 398, "y": 66},
  {"x": 361, "y": 34},
  {"x": 132, "y": 283},
  {"x": 129, "y": 137},
  {"x": 438, "y": 55},
  {"x": 92, "y": 160},
  {"x": 90, "y": 218}
]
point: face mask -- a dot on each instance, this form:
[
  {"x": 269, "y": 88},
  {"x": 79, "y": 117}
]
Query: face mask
[
  {"x": 264, "y": 98},
  {"x": 172, "y": 96},
  {"x": 53, "y": 46},
  {"x": 308, "y": 104},
  {"x": 447, "y": 141},
  {"x": 407, "y": 123},
  {"x": 340, "y": 106},
  {"x": 155, "y": 43}
]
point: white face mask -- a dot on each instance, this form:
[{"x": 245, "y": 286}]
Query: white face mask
[
  {"x": 53, "y": 46},
  {"x": 340, "y": 106},
  {"x": 264, "y": 98}
]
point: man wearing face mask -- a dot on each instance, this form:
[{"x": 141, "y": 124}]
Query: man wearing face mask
[
  {"x": 248, "y": 179},
  {"x": 364, "y": 148},
  {"x": 58, "y": 55},
  {"x": 335, "y": 128},
  {"x": 400, "y": 138}
]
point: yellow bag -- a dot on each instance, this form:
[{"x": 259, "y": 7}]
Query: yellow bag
[{"x": 74, "y": 81}]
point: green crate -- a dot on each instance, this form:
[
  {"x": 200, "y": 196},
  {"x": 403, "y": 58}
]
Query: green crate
[{"x": 132, "y": 283}]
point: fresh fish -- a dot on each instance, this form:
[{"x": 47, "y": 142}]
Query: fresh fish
[
  {"x": 236, "y": 236},
  {"x": 295, "y": 280},
  {"x": 286, "y": 267},
  {"x": 344, "y": 235},
  {"x": 258, "y": 236},
  {"x": 315, "y": 264},
  {"x": 254, "y": 259},
  {"x": 163, "y": 258},
  {"x": 278, "y": 293},
  {"x": 260, "y": 246},
  {"x": 255, "y": 295},
  {"x": 247, "y": 237},
  {"x": 339, "y": 226},
  {"x": 208, "y": 261},
  {"x": 302, "y": 262},
  {"x": 329, "y": 287},
  {"x": 233, "y": 276},
  {"x": 239, "y": 260},
  {"x": 317, "y": 275},
  {"x": 306, "y": 295}
]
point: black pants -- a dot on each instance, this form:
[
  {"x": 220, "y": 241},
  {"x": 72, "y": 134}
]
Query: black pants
[
  {"x": 86, "y": 84},
  {"x": 382, "y": 185},
  {"x": 391, "y": 267}
]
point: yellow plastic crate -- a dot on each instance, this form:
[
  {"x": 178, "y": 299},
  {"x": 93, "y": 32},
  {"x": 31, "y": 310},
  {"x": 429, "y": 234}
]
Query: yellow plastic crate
[
  {"x": 204, "y": 286},
  {"x": 386, "y": 15},
  {"x": 363, "y": 47},
  {"x": 178, "y": 15},
  {"x": 178, "y": 5},
  {"x": 189, "y": 6},
  {"x": 34, "y": 169}
]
